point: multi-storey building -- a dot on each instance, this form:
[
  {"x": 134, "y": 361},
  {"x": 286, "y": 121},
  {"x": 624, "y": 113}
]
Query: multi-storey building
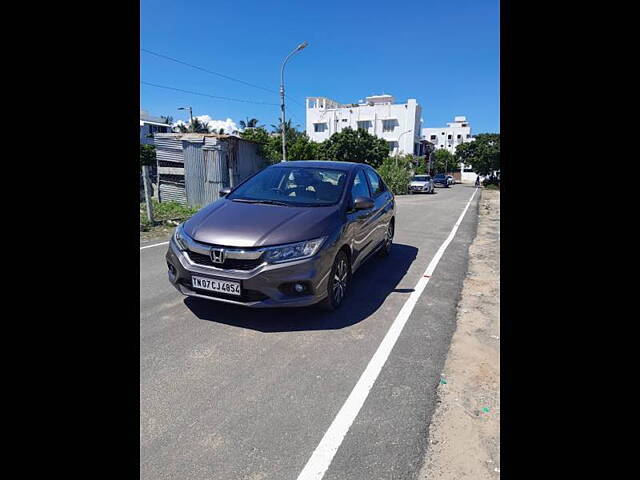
[
  {"x": 397, "y": 123},
  {"x": 455, "y": 133}
]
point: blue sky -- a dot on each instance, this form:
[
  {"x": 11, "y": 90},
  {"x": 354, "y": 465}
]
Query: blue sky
[{"x": 443, "y": 53}]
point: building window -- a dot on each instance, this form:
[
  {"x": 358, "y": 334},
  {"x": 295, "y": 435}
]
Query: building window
[
  {"x": 319, "y": 127},
  {"x": 449, "y": 137},
  {"x": 364, "y": 125},
  {"x": 392, "y": 146},
  {"x": 344, "y": 119},
  {"x": 468, "y": 135},
  {"x": 388, "y": 125},
  {"x": 459, "y": 136},
  {"x": 464, "y": 124},
  {"x": 433, "y": 137}
]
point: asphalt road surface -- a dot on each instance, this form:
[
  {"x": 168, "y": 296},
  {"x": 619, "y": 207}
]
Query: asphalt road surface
[{"x": 233, "y": 393}]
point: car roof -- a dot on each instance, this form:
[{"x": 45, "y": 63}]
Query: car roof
[{"x": 320, "y": 164}]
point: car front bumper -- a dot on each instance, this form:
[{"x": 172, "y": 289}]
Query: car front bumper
[{"x": 260, "y": 287}]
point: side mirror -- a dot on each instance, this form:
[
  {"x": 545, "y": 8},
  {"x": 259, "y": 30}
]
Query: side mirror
[
  {"x": 225, "y": 191},
  {"x": 362, "y": 203}
]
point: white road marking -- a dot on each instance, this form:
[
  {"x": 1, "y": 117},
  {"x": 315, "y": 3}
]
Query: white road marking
[
  {"x": 155, "y": 245},
  {"x": 325, "y": 451}
]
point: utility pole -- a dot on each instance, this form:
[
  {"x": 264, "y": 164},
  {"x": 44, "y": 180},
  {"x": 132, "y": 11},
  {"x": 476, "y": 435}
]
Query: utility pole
[
  {"x": 190, "y": 113},
  {"x": 283, "y": 126},
  {"x": 147, "y": 194}
]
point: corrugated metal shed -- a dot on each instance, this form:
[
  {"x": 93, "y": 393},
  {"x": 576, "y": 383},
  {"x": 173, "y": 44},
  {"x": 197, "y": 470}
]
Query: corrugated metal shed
[{"x": 194, "y": 167}]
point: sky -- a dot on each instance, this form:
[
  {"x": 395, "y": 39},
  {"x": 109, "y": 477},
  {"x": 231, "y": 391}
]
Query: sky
[{"x": 444, "y": 54}]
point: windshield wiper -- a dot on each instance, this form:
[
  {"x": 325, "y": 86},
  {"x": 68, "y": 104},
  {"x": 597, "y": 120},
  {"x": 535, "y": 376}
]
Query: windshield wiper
[{"x": 267, "y": 202}]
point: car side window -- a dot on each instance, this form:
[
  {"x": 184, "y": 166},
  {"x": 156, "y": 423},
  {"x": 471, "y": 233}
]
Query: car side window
[
  {"x": 360, "y": 187},
  {"x": 377, "y": 186}
]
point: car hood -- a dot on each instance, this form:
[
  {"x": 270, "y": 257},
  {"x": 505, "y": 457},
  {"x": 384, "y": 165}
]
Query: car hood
[
  {"x": 246, "y": 225},
  {"x": 420, "y": 183}
]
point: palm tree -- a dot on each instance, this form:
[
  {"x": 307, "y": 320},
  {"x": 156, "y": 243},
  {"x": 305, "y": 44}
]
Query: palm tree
[
  {"x": 167, "y": 120},
  {"x": 250, "y": 123},
  {"x": 287, "y": 126},
  {"x": 196, "y": 127}
]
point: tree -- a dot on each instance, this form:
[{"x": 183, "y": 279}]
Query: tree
[
  {"x": 483, "y": 153},
  {"x": 196, "y": 126},
  {"x": 443, "y": 161},
  {"x": 354, "y": 146},
  {"x": 302, "y": 148},
  {"x": 250, "y": 123},
  {"x": 168, "y": 120},
  {"x": 397, "y": 177},
  {"x": 147, "y": 155},
  {"x": 278, "y": 128}
]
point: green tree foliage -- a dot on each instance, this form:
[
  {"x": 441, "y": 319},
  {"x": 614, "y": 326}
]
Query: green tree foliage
[
  {"x": 395, "y": 173},
  {"x": 443, "y": 161},
  {"x": 298, "y": 144},
  {"x": 250, "y": 123},
  {"x": 483, "y": 153},
  {"x": 355, "y": 146},
  {"x": 196, "y": 127},
  {"x": 420, "y": 169},
  {"x": 302, "y": 148},
  {"x": 147, "y": 155}
]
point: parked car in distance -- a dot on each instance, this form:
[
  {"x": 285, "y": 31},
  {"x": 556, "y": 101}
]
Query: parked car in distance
[
  {"x": 441, "y": 179},
  {"x": 451, "y": 180},
  {"x": 291, "y": 235},
  {"x": 421, "y": 184}
]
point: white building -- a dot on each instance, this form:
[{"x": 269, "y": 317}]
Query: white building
[
  {"x": 455, "y": 133},
  {"x": 397, "y": 123}
]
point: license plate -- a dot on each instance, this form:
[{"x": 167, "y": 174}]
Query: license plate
[{"x": 214, "y": 285}]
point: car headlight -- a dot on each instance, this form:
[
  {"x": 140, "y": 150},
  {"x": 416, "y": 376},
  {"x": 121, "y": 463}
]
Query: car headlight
[
  {"x": 293, "y": 251},
  {"x": 180, "y": 237}
]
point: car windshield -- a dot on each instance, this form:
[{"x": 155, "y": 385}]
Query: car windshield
[
  {"x": 292, "y": 186},
  {"x": 420, "y": 178},
  {"x": 439, "y": 176}
]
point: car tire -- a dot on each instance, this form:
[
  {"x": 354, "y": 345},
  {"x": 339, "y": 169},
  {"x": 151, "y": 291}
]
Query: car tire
[
  {"x": 339, "y": 280},
  {"x": 388, "y": 240}
]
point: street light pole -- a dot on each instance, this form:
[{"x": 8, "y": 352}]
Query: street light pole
[
  {"x": 190, "y": 113},
  {"x": 398, "y": 152},
  {"x": 298, "y": 48}
]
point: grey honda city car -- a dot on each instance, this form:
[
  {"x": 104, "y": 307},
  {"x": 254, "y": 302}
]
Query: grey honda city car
[{"x": 291, "y": 235}]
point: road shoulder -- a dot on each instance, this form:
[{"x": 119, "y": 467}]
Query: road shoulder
[{"x": 464, "y": 434}]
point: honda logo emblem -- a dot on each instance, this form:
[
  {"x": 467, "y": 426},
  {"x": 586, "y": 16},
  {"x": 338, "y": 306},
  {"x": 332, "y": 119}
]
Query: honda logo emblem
[{"x": 217, "y": 255}]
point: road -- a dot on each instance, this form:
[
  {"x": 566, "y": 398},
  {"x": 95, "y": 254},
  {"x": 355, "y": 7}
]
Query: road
[{"x": 234, "y": 393}]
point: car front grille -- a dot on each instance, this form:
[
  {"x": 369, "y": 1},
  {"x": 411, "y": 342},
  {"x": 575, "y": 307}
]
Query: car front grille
[{"x": 228, "y": 264}]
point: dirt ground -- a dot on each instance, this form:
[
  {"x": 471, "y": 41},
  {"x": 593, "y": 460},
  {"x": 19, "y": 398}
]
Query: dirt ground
[{"x": 464, "y": 435}]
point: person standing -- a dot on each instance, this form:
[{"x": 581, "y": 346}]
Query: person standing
[{"x": 478, "y": 181}]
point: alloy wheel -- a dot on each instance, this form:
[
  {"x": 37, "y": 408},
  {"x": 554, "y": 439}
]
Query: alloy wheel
[{"x": 340, "y": 278}]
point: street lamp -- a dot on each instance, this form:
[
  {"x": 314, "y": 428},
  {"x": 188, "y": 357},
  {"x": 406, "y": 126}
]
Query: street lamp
[
  {"x": 398, "y": 152},
  {"x": 190, "y": 113},
  {"x": 298, "y": 48}
]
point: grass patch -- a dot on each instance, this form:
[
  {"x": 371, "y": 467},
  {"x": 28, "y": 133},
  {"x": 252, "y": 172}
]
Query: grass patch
[{"x": 165, "y": 214}]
